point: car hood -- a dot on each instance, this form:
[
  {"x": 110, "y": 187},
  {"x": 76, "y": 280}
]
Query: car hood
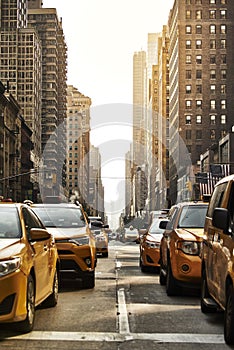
[
  {"x": 190, "y": 233},
  {"x": 10, "y": 248},
  {"x": 66, "y": 232},
  {"x": 154, "y": 237}
]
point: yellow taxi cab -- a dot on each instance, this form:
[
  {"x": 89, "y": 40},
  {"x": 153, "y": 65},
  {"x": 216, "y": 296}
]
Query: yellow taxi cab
[
  {"x": 180, "y": 262},
  {"x": 100, "y": 232},
  {"x": 68, "y": 223},
  {"x": 29, "y": 265},
  {"x": 150, "y": 246},
  {"x": 217, "y": 291}
]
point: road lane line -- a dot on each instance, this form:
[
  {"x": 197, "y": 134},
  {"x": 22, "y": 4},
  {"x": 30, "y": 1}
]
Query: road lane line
[
  {"x": 122, "y": 313},
  {"x": 117, "y": 337}
]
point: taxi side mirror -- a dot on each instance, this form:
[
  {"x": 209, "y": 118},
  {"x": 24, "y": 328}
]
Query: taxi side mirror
[
  {"x": 221, "y": 219},
  {"x": 39, "y": 234}
]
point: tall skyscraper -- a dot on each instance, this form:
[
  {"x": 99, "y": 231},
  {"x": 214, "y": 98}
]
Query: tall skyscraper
[{"x": 201, "y": 54}]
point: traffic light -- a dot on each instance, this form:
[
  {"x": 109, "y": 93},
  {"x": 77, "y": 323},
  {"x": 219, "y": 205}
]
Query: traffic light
[{"x": 188, "y": 185}]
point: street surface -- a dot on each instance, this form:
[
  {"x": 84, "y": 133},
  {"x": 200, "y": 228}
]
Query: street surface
[{"x": 127, "y": 309}]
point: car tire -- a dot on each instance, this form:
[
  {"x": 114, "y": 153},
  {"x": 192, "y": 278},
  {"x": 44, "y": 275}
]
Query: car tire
[
  {"x": 229, "y": 317},
  {"x": 143, "y": 267},
  {"x": 171, "y": 286},
  {"x": 88, "y": 281},
  {"x": 52, "y": 300},
  {"x": 105, "y": 255},
  {"x": 162, "y": 276},
  {"x": 27, "y": 325},
  {"x": 206, "y": 309}
]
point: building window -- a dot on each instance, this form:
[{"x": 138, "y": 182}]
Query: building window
[
  {"x": 223, "y": 119},
  {"x": 198, "y": 44},
  {"x": 212, "y": 14},
  {"x": 213, "y": 104},
  {"x": 212, "y": 119},
  {"x": 188, "y": 44},
  {"x": 212, "y": 59},
  {"x": 188, "y": 74},
  {"x": 188, "y": 14},
  {"x": 212, "y": 134},
  {"x": 188, "y": 119},
  {"x": 198, "y": 134},
  {"x": 199, "y": 89},
  {"x": 213, "y": 89},
  {"x": 188, "y": 104},
  {"x": 223, "y": 88},
  {"x": 212, "y": 1},
  {"x": 223, "y": 29},
  {"x": 223, "y": 14},
  {"x": 198, "y": 2},
  {"x": 199, "y": 59},
  {"x": 188, "y": 2},
  {"x": 223, "y": 59},
  {"x": 198, "y": 119},
  {"x": 188, "y": 29},
  {"x": 198, "y": 29},
  {"x": 188, "y": 59},
  {"x": 212, "y": 29},
  {"x": 198, "y": 14},
  {"x": 212, "y": 44},
  {"x": 188, "y": 134},
  {"x": 213, "y": 74},
  {"x": 223, "y": 2},
  {"x": 199, "y": 104},
  {"x": 223, "y": 104},
  {"x": 223, "y": 74},
  {"x": 188, "y": 89},
  {"x": 198, "y": 74},
  {"x": 223, "y": 43}
]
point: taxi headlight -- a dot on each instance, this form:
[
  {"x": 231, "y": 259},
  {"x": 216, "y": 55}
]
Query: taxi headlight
[
  {"x": 189, "y": 247},
  {"x": 152, "y": 245},
  {"x": 80, "y": 240},
  {"x": 9, "y": 266}
]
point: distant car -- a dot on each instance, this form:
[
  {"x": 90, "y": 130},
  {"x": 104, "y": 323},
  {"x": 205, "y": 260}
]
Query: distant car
[
  {"x": 75, "y": 242},
  {"x": 150, "y": 246},
  {"x": 180, "y": 262},
  {"x": 29, "y": 266},
  {"x": 131, "y": 234},
  {"x": 99, "y": 231}
]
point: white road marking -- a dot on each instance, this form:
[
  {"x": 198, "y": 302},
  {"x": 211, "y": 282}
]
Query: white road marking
[
  {"x": 122, "y": 313},
  {"x": 118, "y": 337}
]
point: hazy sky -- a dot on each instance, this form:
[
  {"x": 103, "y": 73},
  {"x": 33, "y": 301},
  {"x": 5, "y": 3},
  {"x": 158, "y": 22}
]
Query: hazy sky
[{"x": 102, "y": 36}]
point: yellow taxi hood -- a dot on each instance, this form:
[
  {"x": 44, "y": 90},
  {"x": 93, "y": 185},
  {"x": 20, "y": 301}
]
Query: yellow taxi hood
[
  {"x": 66, "y": 232},
  {"x": 10, "y": 248},
  {"x": 190, "y": 233}
]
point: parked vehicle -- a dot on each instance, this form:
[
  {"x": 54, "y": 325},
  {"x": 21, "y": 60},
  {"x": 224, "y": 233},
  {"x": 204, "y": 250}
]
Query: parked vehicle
[
  {"x": 100, "y": 233},
  {"x": 217, "y": 290},
  {"x": 75, "y": 242},
  {"x": 150, "y": 246},
  {"x": 180, "y": 262},
  {"x": 29, "y": 266}
]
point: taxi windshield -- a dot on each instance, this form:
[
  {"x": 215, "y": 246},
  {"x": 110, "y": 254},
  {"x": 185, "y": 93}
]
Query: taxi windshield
[
  {"x": 9, "y": 223},
  {"x": 60, "y": 217},
  {"x": 193, "y": 216}
]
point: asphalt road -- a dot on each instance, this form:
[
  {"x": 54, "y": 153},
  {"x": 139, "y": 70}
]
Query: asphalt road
[{"x": 127, "y": 309}]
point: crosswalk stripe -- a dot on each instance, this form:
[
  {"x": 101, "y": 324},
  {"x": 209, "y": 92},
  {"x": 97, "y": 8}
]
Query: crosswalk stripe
[{"x": 118, "y": 337}]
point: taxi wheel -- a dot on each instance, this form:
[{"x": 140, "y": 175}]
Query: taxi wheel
[
  {"x": 88, "y": 281},
  {"x": 27, "y": 325},
  {"x": 171, "y": 286},
  {"x": 52, "y": 300},
  {"x": 229, "y": 317}
]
